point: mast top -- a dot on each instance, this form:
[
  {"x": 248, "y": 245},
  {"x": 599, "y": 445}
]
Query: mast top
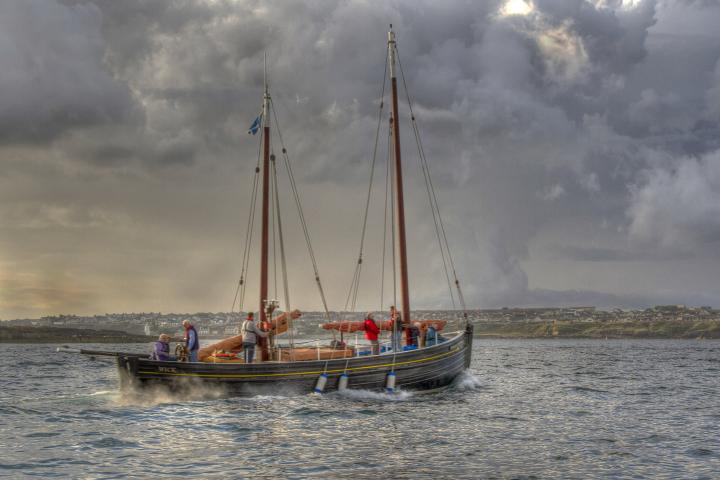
[
  {"x": 266, "y": 94},
  {"x": 391, "y": 51}
]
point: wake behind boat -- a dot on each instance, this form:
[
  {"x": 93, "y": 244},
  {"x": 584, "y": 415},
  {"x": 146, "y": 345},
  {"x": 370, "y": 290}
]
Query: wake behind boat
[{"x": 424, "y": 362}]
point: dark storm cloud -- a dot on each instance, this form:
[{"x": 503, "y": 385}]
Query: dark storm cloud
[
  {"x": 602, "y": 114},
  {"x": 54, "y": 78},
  {"x": 597, "y": 254}
]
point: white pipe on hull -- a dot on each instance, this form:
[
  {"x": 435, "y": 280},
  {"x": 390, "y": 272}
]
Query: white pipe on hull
[
  {"x": 343, "y": 382},
  {"x": 321, "y": 382},
  {"x": 390, "y": 383}
]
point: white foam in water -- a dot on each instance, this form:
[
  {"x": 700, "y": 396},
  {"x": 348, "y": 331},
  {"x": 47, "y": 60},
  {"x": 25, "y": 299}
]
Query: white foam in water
[
  {"x": 193, "y": 391},
  {"x": 102, "y": 392},
  {"x": 467, "y": 381},
  {"x": 376, "y": 396},
  {"x": 265, "y": 398}
]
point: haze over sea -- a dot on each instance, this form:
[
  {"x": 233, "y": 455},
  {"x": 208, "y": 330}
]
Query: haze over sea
[{"x": 527, "y": 409}]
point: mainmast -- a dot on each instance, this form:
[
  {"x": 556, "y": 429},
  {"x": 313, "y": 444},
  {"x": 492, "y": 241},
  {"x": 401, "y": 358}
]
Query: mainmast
[
  {"x": 264, "y": 245},
  {"x": 402, "y": 247}
]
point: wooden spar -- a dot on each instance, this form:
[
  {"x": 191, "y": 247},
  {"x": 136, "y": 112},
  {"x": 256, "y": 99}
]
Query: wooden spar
[
  {"x": 264, "y": 244},
  {"x": 402, "y": 246},
  {"x": 278, "y": 325}
]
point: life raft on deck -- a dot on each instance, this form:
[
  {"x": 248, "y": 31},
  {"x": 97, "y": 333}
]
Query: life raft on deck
[
  {"x": 359, "y": 326},
  {"x": 289, "y": 355}
]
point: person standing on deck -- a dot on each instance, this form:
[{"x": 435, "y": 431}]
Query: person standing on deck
[
  {"x": 371, "y": 333},
  {"x": 397, "y": 328},
  {"x": 415, "y": 334},
  {"x": 422, "y": 328},
  {"x": 192, "y": 342},
  {"x": 250, "y": 333}
]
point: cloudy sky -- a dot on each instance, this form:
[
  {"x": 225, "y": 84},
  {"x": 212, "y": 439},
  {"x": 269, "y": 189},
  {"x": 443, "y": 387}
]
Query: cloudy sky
[{"x": 574, "y": 145}]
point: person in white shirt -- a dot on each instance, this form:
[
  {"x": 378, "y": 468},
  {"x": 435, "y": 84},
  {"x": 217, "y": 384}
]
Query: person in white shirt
[{"x": 250, "y": 333}]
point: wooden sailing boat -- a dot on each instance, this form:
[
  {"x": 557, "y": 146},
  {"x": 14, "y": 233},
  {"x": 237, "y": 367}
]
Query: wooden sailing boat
[{"x": 321, "y": 369}]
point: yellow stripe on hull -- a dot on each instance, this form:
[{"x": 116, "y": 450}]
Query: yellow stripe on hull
[{"x": 292, "y": 374}]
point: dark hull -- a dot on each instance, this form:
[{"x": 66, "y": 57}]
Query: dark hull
[{"x": 424, "y": 369}]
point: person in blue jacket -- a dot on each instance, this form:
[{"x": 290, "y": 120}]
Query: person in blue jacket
[
  {"x": 161, "y": 349},
  {"x": 192, "y": 342},
  {"x": 432, "y": 337}
]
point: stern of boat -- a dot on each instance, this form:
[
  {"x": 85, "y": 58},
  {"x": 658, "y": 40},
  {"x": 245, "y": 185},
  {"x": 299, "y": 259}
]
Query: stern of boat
[{"x": 127, "y": 371}]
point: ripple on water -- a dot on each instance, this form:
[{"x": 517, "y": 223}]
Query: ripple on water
[
  {"x": 111, "y": 442},
  {"x": 510, "y": 418},
  {"x": 375, "y": 397},
  {"x": 13, "y": 410},
  {"x": 700, "y": 452},
  {"x": 44, "y": 463},
  {"x": 582, "y": 389},
  {"x": 42, "y": 434},
  {"x": 311, "y": 412}
]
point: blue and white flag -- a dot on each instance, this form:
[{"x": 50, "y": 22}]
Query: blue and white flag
[{"x": 255, "y": 125}]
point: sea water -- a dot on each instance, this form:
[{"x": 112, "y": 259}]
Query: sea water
[{"x": 525, "y": 409}]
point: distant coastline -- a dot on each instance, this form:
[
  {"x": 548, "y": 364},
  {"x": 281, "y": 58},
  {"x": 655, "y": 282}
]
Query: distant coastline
[
  {"x": 668, "y": 329},
  {"x": 67, "y": 335},
  {"x": 671, "y": 329}
]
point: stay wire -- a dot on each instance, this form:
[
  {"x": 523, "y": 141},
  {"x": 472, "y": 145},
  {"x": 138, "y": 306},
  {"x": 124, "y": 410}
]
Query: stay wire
[
  {"x": 273, "y": 227},
  {"x": 283, "y": 260},
  {"x": 435, "y": 217},
  {"x": 241, "y": 287},
  {"x": 385, "y": 222},
  {"x": 303, "y": 222},
  {"x": 355, "y": 284},
  {"x": 431, "y": 192},
  {"x": 391, "y": 154}
]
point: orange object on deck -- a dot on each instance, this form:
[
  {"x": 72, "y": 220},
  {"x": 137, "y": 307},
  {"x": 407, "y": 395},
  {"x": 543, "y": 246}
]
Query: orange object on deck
[
  {"x": 357, "y": 326},
  {"x": 234, "y": 344},
  {"x": 325, "y": 353},
  {"x": 288, "y": 355},
  {"x": 214, "y": 359}
]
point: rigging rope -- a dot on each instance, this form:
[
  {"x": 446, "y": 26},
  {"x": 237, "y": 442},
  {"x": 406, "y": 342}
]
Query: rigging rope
[
  {"x": 391, "y": 152},
  {"x": 272, "y": 298},
  {"x": 388, "y": 193},
  {"x": 301, "y": 215},
  {"x": 437, "y": 217},
  {"x": 240, "y": 290},
  {"x": 283, "y": 261},
  {"x": 355, "y": 284},
  {"x": 273, "y": 227}
]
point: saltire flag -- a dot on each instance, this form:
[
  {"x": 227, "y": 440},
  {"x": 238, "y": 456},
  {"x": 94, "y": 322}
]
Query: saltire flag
[{"x": 255, "y": 125}]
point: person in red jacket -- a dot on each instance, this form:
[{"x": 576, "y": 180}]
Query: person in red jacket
[{"x": 371, "y": 333}]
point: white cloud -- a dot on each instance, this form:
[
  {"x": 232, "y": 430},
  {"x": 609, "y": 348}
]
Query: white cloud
[{"x": 679, "y": 208}]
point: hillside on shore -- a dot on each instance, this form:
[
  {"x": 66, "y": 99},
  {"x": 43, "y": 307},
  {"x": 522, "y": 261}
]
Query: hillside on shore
[
  {"x": 67, "y": 335},
  {"x": 706, "y": 329}
]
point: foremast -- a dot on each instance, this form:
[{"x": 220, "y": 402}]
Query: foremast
[
  {"x": 400, "y": 203},
  {"x": 264, "y": 244}
]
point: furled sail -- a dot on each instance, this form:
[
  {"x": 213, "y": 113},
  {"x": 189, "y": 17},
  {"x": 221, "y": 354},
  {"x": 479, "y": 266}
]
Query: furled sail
[
  {"x": 278, "y": 324},
  {"x": 386, "y": 325}
]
